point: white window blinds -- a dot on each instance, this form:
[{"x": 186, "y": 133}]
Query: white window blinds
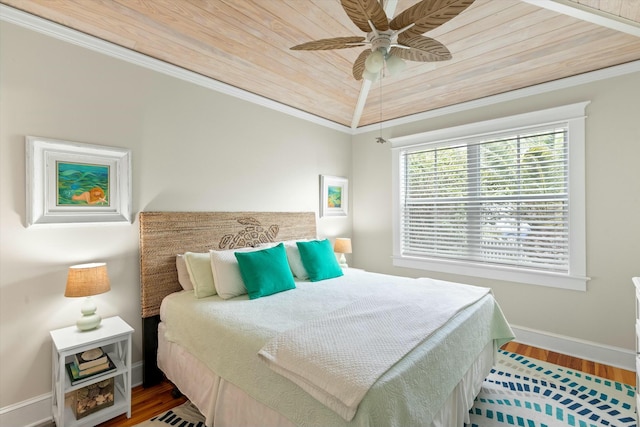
[
  {"x": 502, "y": 200},
  {"x": 499, "y": 199}
]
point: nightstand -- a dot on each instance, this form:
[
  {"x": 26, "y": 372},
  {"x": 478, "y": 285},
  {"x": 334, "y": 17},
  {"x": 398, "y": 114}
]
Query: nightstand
[{"x": 114, "y": 336}]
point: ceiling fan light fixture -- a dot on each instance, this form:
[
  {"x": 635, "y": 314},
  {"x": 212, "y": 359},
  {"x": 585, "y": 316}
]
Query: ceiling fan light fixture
[
  {"x": 374, "y": 62},
  {"x": 372, "y": 77},
  {"x": 395, "y": 65}
]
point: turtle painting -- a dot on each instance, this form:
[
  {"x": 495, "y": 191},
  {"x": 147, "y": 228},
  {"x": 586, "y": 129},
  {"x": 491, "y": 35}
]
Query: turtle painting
[{"x": 252, "y": 234}]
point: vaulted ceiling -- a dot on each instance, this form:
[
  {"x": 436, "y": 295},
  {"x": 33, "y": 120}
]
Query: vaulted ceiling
[{"x": 497, "y": 46}]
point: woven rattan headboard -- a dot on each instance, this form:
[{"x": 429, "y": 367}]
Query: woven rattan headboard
[{"x": 163, "y": 235}]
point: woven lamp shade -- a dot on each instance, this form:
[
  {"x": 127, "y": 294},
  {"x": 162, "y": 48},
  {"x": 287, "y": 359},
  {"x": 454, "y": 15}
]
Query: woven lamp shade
[
  {"x": 87, "y": 279},
  {"x": 342, "y": 245}
]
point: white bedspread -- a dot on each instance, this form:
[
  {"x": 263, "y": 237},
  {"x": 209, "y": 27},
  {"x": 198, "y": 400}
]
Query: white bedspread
[
  {"x": 226, "y": 336},
  {"x": 338, "y": 357}
]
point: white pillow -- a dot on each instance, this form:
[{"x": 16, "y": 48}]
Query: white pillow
[
  {"x": 295, "y": 261},
  {"x": 199, "y": 268},
  {"x": 293, "y": 257},
  {"x": 183, "y": 273},
  {"x": 226, "y": 272}
]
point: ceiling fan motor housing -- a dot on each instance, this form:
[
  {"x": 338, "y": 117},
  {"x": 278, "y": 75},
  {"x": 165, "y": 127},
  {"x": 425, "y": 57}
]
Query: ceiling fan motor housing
[{"x": 381, "y": 40}]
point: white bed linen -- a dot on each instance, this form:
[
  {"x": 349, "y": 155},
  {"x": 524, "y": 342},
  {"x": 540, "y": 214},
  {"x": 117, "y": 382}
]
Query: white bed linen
[
  {"x": 285, "y": 310},
  {"x": 338, "y": 357},
  {"x": 225, "y": 405}
]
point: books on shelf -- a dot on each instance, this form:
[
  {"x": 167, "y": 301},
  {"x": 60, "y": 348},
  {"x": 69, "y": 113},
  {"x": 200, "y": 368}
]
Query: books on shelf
[
  {"x": 90, "y": 358},
  {"x": 77, "y": 375}
]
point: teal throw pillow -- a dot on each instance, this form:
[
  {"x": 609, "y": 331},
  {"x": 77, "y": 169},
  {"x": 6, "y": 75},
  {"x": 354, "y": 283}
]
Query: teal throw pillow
[
  {"x": 265, "y": 272},
  {"x": 319, "y": 260}
]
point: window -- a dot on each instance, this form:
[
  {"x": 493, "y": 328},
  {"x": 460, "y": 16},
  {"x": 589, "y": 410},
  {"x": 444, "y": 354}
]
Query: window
[{"x": 502, "y": 199}]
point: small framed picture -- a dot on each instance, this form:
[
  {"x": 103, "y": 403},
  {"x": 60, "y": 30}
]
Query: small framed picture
[
  {"x": 334, "y": 196},
  {"x": 72, "y": 182}
]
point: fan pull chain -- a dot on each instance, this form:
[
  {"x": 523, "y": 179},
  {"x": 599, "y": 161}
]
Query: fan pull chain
[{"x": 380, "y": 139}]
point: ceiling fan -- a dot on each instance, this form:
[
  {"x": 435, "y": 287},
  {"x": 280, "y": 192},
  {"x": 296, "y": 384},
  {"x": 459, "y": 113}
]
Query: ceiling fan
[{"x": 392, "y": 41}]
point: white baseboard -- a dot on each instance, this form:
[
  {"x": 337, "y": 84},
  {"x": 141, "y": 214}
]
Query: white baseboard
[
  {"x": 36, "y": 412},
  {"x": 608, "y": 355}
]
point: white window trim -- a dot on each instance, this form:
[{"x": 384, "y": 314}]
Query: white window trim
[{"x": 574, "y": 115}]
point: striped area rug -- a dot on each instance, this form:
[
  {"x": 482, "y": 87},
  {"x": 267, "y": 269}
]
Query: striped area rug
[
  {"x": 185, "y": 415},
  {"x": 531, "y": 393},
  {"x": 519, "y": 392}
]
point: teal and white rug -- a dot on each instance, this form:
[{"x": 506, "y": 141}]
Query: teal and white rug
[
  {"x": 519, "y": 392},
  {"x": 530, "y": 393}
]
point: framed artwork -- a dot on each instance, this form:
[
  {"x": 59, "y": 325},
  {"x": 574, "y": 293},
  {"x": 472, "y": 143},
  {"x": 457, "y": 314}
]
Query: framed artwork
[
  {"x": 334, "y": 196},
  {"x": 72, "y": 182}
]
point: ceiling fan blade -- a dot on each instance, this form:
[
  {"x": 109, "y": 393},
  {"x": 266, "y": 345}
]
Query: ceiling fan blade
[
  {"x": 358, "y": 65},
  {"x": 421, "y": 49},
  {"x": 363, "y": 11},
  {"x": 428, "y": 14},
  {"x": 333, "y": 43}
]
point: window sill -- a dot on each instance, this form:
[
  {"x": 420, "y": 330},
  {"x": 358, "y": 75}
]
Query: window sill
[{"x": 532, "y": 277}]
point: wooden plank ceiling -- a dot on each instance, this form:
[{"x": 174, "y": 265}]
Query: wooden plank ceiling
[{"x": 497, "y": 46}]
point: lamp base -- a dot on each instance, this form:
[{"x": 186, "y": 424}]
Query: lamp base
[
  {"x": 89, "y": 320},
  {"x": 343, "y": 261},
  {"x": 87, "y": 323}
]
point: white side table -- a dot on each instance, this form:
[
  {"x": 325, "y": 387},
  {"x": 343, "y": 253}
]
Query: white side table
[{"x": 114, "y": 336}]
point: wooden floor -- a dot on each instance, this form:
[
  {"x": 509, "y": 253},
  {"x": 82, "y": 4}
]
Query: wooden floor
[
  {"x": 146, "y": 403},
  {"x": 593, "y": 368},
  {"x": 149, "y": 402}
]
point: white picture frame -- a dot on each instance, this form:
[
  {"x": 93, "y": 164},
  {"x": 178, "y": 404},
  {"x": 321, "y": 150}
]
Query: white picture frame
[
  {"x": 72, "y": 182},
  {"x": 334, "y": 196}
]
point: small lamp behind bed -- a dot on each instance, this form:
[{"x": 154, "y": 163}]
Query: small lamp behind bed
[
  {"x": 342, "y": 246},
  {"x": 85, "y": 280}
]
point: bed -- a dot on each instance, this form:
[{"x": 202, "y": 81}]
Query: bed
[{"x": 289, "y": 358}]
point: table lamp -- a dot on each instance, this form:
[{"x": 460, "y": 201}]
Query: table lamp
[
  {"x": 85, "y": 280},
  {"x": 342, "y": 246}
]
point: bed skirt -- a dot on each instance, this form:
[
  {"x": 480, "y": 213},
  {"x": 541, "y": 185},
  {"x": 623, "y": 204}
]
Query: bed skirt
[{"x": 224, "y": 404}]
